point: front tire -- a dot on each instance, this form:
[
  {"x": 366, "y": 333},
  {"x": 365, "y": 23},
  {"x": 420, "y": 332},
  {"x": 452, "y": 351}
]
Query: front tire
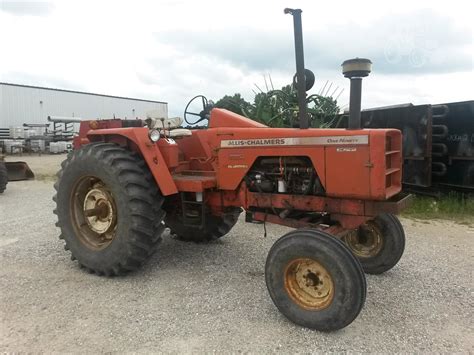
[
  {"x": 379, "y": 244},
  {"x": 314, "y": 280},
  {"x": 108, "y": 208}
]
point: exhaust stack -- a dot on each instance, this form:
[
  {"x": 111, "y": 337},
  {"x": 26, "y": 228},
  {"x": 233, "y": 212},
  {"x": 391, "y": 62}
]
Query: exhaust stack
[
  {"x": 300, "y": 71},
  {"x": 355, "y": 69}
]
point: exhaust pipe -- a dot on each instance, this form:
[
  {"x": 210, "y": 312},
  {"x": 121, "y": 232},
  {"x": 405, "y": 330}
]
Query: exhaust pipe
[
  {"x": 300, "y": 71},
  {"x": 355, "y": 69}
]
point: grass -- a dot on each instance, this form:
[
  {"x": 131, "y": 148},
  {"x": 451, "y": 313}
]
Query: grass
[{"x": 454, "y": 206}]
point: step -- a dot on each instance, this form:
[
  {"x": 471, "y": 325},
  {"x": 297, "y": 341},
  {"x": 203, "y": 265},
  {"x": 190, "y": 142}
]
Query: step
[
  {"x": 194, "y": 182},
  {"x": 391, "y": 171}
]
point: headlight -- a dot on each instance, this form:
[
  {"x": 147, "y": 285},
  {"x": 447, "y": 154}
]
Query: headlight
[{"x": 154, "y": 135}]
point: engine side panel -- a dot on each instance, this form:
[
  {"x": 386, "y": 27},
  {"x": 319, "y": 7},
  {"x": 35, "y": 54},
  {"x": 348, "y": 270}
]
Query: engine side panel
[
  {"x": 235, "y": 163},
  {"x": 347, "y": 171},
  {"x": 362, "y": 164}
]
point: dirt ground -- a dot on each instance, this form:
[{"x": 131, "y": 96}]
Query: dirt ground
[{"x": 213, "y": 298}]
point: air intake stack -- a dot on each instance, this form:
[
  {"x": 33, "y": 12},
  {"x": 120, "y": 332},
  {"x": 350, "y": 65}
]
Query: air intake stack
[{"x": 355, "y": 69}]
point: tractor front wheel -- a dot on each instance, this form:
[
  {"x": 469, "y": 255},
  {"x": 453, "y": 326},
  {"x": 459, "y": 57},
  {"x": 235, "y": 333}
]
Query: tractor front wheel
[
  {"x": 378, "y": 244},
  {"x": 314, "y": 280},
  {"x": 108, "y": 208}
]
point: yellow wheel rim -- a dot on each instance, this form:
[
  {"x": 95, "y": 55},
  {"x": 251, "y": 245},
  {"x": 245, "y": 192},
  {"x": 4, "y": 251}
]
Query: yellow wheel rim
[
  {"x": 94, "y": 213},
  {"x": 365, "y": 242},
  {"x": 309, "y": 284}
]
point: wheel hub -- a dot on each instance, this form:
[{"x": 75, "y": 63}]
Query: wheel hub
[
  {"x": 99, "y": 210},
  {"x": 309, "y": 284},
  {"x": 366, "y": 241},
  {"x": 94, "y": 213}
]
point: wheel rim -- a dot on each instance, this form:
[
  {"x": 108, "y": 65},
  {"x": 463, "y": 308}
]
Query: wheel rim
[
  {"x": 365, "y": 242},
  {"x": 94, "y": 213},
  {"x": 309, "y": 284}
]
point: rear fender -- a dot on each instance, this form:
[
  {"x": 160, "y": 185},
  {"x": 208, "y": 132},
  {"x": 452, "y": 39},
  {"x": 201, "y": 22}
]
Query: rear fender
[{"x": 147, "y": 149}]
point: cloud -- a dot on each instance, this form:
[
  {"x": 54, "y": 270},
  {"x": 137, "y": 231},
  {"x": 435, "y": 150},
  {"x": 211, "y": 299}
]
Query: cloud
[
  {"x": 178, "y": 77},
  {"x": 244, "y": 48},
  {"x": 173, "y": 50},
  {"x": 27, "y": 8},
  {"x": 421, "y": 42},
  {"x": 50, "y": 81}
]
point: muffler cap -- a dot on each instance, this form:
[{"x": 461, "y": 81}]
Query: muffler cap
[{"x": 356, "y": 68}]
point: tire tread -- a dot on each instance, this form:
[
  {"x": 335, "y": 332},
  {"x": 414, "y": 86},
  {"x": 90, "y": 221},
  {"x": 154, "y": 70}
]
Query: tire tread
[{"x": 145, "y": 215}]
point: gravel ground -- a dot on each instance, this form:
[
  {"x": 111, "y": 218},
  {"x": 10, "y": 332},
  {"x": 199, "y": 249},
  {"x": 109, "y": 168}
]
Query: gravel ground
[{"x": 203, "y": 298}]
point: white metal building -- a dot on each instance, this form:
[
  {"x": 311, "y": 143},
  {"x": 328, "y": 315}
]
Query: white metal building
[{"x": 21, "y": 104}]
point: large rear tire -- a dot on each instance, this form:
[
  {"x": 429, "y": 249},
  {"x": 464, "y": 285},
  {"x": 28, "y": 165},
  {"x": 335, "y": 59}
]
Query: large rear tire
[
  {"x": 314, "y": 280},
  {"x": 3, "y": 176},
  {"x": 108, "y": 208},
  {"x": 379, "y": 244}
]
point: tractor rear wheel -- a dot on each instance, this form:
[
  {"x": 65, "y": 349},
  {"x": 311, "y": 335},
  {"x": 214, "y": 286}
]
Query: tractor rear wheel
[
  {"x": 3, "y": 176},
  {"x": 378, "y": 244},
  {"x": 314, "y": 280},
  {"x": 214, "y": 227},
  {"x": 108, "y": 208}
]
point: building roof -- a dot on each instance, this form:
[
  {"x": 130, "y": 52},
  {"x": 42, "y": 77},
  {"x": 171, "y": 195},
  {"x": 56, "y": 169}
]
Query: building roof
[{"x": 82, "y": 92}]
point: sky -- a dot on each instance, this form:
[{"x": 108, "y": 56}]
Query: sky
[{"x": 171, "y": 50}]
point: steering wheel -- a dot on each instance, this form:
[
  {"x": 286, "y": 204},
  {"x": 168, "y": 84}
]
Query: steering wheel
[{"x": 203, "y": 115}]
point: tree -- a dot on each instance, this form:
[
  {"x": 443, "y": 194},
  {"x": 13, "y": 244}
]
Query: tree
[
  {"x": 279, "y": 108},
  {"x": 235, "y": 103}
]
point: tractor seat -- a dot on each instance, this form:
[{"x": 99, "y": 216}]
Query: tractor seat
[{"x": 167, "y": 126}]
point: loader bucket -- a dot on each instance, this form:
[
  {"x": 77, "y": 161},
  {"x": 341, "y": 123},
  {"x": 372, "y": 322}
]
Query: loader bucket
[{"x": 18, "y": 170}]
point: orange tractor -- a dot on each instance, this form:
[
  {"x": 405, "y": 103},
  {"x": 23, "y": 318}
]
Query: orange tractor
[{"x": 126, "y": 181}]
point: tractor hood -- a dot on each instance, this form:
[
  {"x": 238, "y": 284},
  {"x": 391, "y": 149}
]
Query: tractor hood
[{"x": 224, "y": 118}]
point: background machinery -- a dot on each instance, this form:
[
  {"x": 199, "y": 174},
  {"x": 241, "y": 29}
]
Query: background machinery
[
  {"x": 13, "y": 171},
  {"x": 438, "y": 144},
  {"x": 126, "y": 180},
  {"x": 3, "y": 174}
]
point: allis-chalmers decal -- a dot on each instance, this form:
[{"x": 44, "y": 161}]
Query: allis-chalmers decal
[
  {"x": 265, "y": 142},
  {"x": 238, "y": 166}
]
